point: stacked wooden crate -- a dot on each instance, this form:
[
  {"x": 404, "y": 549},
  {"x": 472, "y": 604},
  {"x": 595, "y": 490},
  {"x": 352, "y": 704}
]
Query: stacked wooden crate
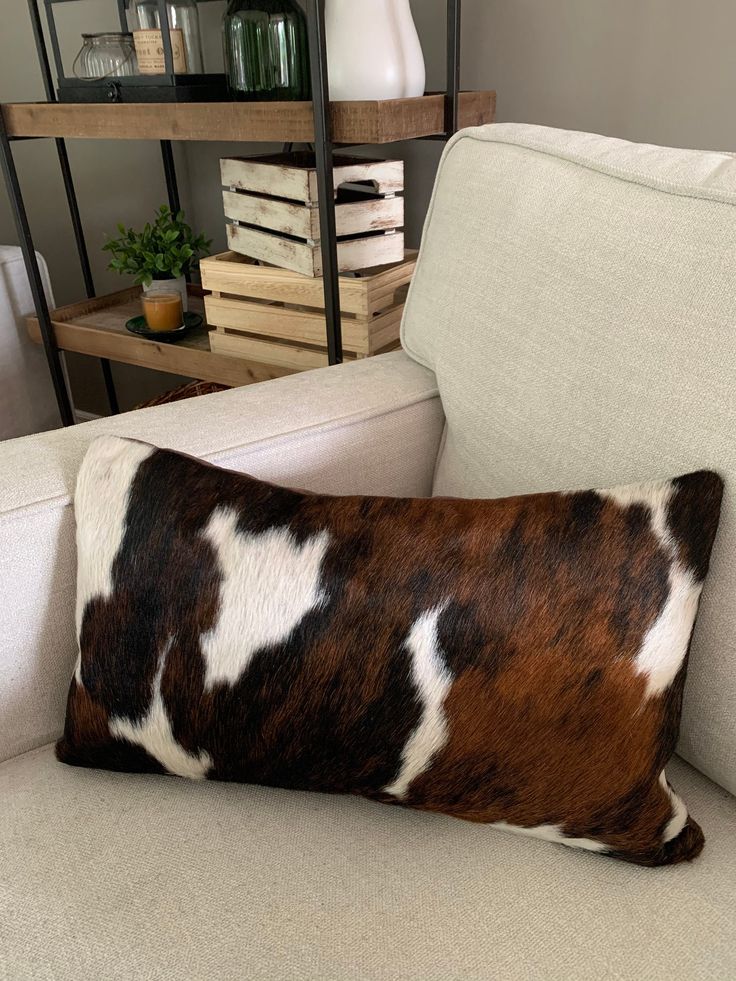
[
  {"x": 267, "y": 300},
  {"x": 276, "y": 316},
  {"x": 271, "y": 204}
]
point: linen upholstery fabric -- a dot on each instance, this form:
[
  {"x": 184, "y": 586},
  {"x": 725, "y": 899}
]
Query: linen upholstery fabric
[
  {"x": 120, "y": 876},
  {"x": 369, "y": 427},
  {"x": 518, "y": 662},
  {"x": 574, "y": 295}
]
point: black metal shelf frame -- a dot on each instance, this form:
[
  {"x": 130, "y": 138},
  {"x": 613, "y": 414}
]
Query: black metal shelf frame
[{"x": 323, "y": 147}]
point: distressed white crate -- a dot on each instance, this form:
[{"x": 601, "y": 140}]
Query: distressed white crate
[{"x": 272, "y": 206}]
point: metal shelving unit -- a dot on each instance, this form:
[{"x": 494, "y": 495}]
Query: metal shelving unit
[{"x": 296, "y": 125}]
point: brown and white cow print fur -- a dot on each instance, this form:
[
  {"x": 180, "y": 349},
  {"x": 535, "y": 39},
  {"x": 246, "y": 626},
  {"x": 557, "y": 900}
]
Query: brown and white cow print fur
[{"x": 518, "y": 662}]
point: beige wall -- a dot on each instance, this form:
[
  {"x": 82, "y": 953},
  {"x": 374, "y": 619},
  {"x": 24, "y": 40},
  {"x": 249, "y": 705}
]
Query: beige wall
[
  {"x": 656, "y": 71},
  {"x": 660, "y": 71}
]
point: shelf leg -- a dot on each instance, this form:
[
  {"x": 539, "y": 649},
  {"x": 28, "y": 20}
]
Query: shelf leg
[
  {"x": 34, "y": 276},
  {"x": 89, "y": 285},
  {"x": 71, "y": 198},
  {"x": 325, "y": 184},
  {"x": 453, "y": 67},
  {"x": 112, "y": 395},
  {"x": 123, "y": 17},
  {"x": 172, "y": 185},
  {"x": 165, "y": 27},
  {"x": 66, "y": 173}
]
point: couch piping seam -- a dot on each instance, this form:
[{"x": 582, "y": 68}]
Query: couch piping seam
[{"x": 617, "y": 173}]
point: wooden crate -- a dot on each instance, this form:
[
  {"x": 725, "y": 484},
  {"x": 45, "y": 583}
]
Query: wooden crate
[
  {"x": 277, "y": 316},
  {"x": 306, "y": 258},
  {"x": 294, "y": 176},
  {"x": 354, "y": 214},
  {"x": 363, "y": 293},
  {"x": 272, "y": 206},
  {"x": 287, "y": 357}
]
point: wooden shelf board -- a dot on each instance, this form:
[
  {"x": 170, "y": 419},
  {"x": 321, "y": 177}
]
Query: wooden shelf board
[
  {"x": 352, "y": 122},
  {"x": 97, "y": 327}
]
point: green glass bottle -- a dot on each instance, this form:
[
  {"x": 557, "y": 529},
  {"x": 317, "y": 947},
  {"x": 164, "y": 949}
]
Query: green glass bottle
[{"x": 266, "y": 50}]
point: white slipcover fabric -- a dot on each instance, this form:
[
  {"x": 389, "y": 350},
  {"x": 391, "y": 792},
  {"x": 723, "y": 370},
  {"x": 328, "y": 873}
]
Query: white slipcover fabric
[
  {"x": 575, "y": 297},
  {"x": 370, "y": 427},
  {"x": 115, "y": 877},
  {"x": 27, "y": 403}
]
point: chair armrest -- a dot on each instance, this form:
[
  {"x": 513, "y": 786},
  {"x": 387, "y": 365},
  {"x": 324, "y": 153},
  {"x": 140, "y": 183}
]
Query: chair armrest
[{"x": 367, "y": 427}]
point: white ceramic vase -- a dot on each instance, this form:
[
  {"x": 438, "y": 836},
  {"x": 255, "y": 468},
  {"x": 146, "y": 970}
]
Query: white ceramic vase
[
  {"x": 414, "y": 70},
  {"x": 373, "y": 50},
  {"x": 170, "y": 286}
]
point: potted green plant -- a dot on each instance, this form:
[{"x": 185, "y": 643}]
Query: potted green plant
[{"x": 160, "y": 256}]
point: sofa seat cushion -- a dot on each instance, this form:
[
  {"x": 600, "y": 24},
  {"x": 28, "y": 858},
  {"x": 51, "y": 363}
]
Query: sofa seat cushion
[{"x": 107, "y": 875}]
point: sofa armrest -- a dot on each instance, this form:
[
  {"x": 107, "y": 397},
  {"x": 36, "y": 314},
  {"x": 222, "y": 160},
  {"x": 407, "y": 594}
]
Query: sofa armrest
[{"x": 371, "y": 427}]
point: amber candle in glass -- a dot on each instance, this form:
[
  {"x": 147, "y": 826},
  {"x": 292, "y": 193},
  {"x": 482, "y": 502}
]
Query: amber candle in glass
[{"x": 163, "y": 311}]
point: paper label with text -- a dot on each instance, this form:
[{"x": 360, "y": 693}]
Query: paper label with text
[{"x": 149, "y": 49}]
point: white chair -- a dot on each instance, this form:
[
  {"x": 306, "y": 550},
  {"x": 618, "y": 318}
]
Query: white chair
[{"x": 27, "y": 403}]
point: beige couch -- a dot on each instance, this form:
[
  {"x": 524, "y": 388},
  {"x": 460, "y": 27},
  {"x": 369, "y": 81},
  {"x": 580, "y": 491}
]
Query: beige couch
[{"x": 572, "y": 324}]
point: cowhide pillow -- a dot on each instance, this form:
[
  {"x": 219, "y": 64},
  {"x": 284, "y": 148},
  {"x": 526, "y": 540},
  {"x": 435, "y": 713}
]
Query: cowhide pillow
[{"x": 519, "y": 662}]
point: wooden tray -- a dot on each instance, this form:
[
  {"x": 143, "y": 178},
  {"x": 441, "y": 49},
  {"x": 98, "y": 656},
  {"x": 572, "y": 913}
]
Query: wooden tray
[{"x": 97, "y": 327}]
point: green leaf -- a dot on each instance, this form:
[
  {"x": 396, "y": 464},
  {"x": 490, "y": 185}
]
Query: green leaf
[{"x": 166, "y": 246}]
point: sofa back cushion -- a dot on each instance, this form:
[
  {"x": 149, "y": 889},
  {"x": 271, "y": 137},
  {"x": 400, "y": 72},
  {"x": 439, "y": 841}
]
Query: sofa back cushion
[{"x": 575, "y": 297}]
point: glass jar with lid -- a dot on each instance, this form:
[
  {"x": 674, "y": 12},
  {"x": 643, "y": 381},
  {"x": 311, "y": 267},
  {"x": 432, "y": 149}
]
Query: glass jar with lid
[
  {"x": 108, "y": 55},
  {"x": 184, "y": 18},
  {"x": 266, "y": 50}
]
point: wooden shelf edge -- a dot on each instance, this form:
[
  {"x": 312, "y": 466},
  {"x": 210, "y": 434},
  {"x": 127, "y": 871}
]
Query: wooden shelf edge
[
  {"x": 175, "y": 359},
  {"x": 251, "y": 122}
]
